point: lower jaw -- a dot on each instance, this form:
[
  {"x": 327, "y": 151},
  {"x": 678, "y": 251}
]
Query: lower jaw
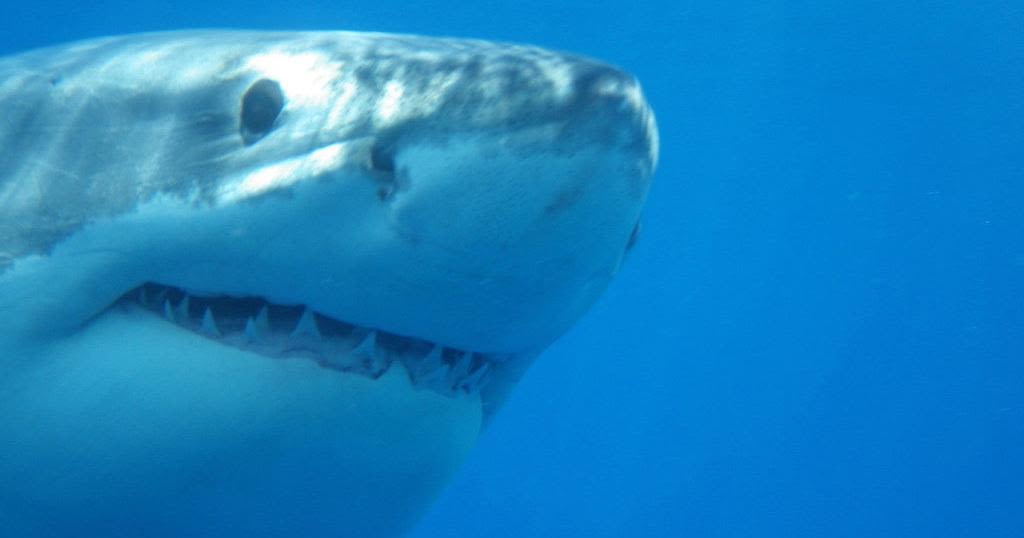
[{"x": 137, "y": 427}]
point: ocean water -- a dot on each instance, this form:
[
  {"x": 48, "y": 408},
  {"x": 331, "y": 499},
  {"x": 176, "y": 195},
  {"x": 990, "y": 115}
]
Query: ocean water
[{"x": 821, "y": 330}]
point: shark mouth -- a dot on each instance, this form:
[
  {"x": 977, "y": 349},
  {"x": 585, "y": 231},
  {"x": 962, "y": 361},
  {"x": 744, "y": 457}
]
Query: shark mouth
[{"x": 295, "y": 331}]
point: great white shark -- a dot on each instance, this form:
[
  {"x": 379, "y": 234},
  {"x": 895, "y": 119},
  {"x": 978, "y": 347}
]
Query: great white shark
[{"x": 273, "y": 284}]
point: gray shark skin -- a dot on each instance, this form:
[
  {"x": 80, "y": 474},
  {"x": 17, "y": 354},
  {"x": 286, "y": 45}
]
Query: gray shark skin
[{"x": 273, "y": 284}]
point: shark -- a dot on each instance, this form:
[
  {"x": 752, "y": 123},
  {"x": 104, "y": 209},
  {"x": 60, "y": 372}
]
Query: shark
[{"x": 276, "y": 283}]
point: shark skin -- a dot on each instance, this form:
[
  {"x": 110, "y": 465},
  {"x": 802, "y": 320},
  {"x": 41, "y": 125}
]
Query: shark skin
[{"x": 275, "y": 283}]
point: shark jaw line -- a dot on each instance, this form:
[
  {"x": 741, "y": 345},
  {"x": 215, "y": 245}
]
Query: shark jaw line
[{"x": 277, "y": 331}]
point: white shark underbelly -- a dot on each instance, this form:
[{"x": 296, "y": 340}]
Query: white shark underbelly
[{"x": 273, "y": 284}]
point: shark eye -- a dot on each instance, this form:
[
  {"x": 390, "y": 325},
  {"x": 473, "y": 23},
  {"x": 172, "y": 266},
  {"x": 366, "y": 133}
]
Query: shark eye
[{"x": 261, "y": 105}]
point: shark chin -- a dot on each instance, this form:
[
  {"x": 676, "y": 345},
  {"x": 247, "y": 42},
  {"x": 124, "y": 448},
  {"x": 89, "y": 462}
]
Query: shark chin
[
  {"x": 276, "y": 284},
  {"x": 103, "y": 440}
]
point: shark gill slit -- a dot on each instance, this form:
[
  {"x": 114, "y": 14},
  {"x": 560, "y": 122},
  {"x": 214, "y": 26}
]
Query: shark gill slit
[{"x": 297, "y": 332}]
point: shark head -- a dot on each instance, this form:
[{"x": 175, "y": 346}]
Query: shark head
[{"x": 317, "y": 261}]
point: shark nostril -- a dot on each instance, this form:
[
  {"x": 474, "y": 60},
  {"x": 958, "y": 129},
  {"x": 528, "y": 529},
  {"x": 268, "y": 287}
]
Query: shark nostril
[{"x": 382, "y": 157}]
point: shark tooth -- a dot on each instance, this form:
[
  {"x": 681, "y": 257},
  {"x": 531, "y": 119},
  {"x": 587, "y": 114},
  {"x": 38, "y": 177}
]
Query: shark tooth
[
  {"x": 181, "y": 311},
  {"x": 460, "y": 369},
  {"x": 209, "y": 326},
  {"x": 432, "y": 369},
  {"x": 347, "y": 359},
  {"x": 251, "y": 335},
  {"x": 262, "y": 321},
  {"x": 430, "y": 363},
  {"x": 367, "y": 356},
  {"x": 306, "y": 327},
  {"x": 477, "y": 379},
  {"x": 368, "y": 347},
  {"x": 257, "y": 329},
  {"x": 168, "y": 311}
]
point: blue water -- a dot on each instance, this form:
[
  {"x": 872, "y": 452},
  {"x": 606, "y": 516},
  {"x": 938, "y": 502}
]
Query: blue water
[{"x": 821, "y": 331}]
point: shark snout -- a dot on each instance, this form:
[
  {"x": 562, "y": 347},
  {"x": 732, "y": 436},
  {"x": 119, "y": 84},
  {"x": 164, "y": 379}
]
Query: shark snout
[
  {"x": 527, "y": 225},
  {"x": 613, "y": 107}
]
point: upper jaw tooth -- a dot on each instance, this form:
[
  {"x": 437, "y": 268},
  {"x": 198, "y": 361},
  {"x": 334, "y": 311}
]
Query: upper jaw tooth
[
  {"x": 181, "y": 311},
  {"x": 431, "y": 368},
  {"x": 477, "y": 379},
  {"x": 306, "y": 328},
  {"x": 459, "y": 370},
  {"x": 367, "y": 347},
  {"x": 168, "y": 311},
  {"x": 209, "y": 326},
  {"x": 368, "y": 355},
  {"x": 257, "y": 329}
]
